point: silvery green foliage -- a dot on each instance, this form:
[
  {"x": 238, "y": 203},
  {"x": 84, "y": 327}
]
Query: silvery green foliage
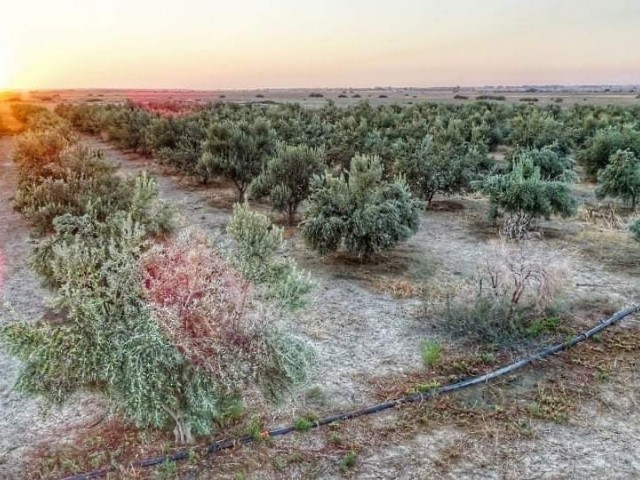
[
  {"x": 361, "y": 212},
  {"x": 634, "y": 228},
  {"x": 536, "y": 129},
  {"x": 600, "y": 146},
  {"x": 522, "y": 195},
  {"x": 109, "y": 341},
  {"x": 431, "y": 167},
  {"x": 287, "y": 176},
  {"x": 256, "y": 244},
  {"x": 71, "y": 178},
  {"x": 111, "y": 338},
  {"x": 35, "y": 152},
  {"x": 621, "y": 178},
  {"x": 112, "y": 341},
  {"x": 237, "y": 151},
  {"x": 553, "y": 164}
]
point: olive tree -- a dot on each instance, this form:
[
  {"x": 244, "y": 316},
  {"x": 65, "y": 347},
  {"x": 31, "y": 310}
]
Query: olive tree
[
  {"x": 237, "y": 151},
  {"x": 536, "y": 128},
  {"x": 435, "y": 167},
  {"x": 361, "y": 212},
  {"x": 621, "y": 178},
  {"x": 553, "y": 164},
  {"x": 599, "y": 149},
  {"x": 522, "y": 195},
  {"x": 287, "y": 176}
]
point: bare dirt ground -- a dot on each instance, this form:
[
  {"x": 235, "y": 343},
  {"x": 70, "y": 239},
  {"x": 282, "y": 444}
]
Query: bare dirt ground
[{"x": 360, "y": 331}]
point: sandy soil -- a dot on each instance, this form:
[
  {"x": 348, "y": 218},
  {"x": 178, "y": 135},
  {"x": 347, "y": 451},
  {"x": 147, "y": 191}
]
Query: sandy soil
[{"x": 357, "y": 330}]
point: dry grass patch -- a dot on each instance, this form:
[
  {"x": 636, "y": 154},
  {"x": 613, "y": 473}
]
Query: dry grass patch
[
  {"x": 398, "y": 288},
  {"x": 112, "y": 442},
  {"x": 491, "y": 418},
  {"x": 615, "y": 250}
]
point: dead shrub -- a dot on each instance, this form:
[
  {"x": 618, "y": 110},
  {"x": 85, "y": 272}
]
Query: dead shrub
[
  {"x": 199, "y": 299},
  {"x": 603, "y": 215},
  {"x": 521, "y": 276},
  {"x": 204, "y": 306},
  {"x": 513, "y": 296}
]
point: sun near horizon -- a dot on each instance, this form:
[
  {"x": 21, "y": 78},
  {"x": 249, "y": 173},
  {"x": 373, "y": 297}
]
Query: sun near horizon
[{"x": 283, "y": 43}]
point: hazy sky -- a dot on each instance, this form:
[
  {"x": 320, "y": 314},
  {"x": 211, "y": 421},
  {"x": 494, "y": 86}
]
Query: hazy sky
[{"x": 298, "y": 43}]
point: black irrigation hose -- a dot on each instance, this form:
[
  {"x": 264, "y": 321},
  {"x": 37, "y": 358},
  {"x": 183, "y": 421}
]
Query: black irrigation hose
[{"x": 413, "y": 398}]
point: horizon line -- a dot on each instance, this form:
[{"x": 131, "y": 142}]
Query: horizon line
[{"x": 376, "y": 87}]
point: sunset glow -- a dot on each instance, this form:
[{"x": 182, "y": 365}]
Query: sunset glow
[
  {"x": 285, "y": 43},
  {"x": 5, "y": 65}
]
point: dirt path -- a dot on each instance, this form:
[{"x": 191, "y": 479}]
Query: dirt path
[{"x": 23, "y": 421}]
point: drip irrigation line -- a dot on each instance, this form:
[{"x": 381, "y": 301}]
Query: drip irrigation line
[{"x": 221, "y": 445}]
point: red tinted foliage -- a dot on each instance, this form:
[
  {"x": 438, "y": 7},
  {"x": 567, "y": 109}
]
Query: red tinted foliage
[
  {"x": 199, "y": 299},
  {"x": 167, "y": 108}
]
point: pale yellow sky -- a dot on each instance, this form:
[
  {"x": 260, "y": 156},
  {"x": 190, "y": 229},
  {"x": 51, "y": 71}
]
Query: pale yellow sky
[{"x": 292, "y": 43}]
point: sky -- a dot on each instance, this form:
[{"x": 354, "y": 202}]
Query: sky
[{"x": 210, "y": 44}]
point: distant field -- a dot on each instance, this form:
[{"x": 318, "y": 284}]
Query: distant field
[{"x": 317, "y": 97}]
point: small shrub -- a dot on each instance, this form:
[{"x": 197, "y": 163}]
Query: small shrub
[
  {"x": 543, "y": 325},
  {"x": 349, "y": 461},
  {"x": 432, "y": 168},
  {"x": 431, "y": 351},
  {"x": 316, "y": 95},
  {"x": 237, "y": 151},
  {"x": 538, "y": 129},
  {"x": 287, "y": 176},
  {"x": 99, "y": 197},
  {"x": 515, "y": 289},
  {"x": 495, "y": 98},
  {"x": 296, "y": 457},
  {"x": 255, "y": 429},
  {"x": 259, "y": 95},
  {"x": 304, "y": 424},
  {"x": 342, "y": 95},
  {"x": 26, "y": 113},
  {"x": 553, "y": 165},
  {"x": 336, "y": 439},
  {"x": 460, "y": 97},
  {"x": 257, "y": 242},
  {"x": 621, "y": 178},
  {"x": 363, "y": 213},
  {"x": 530, "y": 99},
  {"x": 522, "y": 195},
  {"x": 600, "y": 148},
  {"x": 170, "y": 342},
  {"x": 37, "y": 152}
]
